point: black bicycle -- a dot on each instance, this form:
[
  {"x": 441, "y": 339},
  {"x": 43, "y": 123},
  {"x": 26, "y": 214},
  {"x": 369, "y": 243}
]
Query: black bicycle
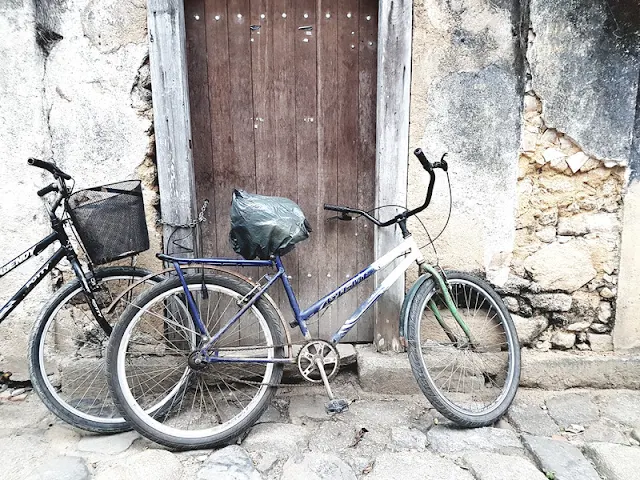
[{"x": 67, "y": 345}]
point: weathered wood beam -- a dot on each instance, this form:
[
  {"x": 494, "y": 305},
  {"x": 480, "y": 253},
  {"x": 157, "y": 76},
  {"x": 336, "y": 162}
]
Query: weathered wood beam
[
  {"x": 172, "y": 120},
  {"x": 395, "y": 20}
]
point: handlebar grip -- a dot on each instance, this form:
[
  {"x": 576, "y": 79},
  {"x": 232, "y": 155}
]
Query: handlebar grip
[
  {"x": 423, "y": 159},
  {"x": 34, "y": 162},
  {"x": 48, "y": 189},
  {"x": 49, "y": 167},
  {"x": 337, "y": 208}
]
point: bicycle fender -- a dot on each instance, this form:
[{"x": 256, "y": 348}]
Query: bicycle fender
[{"x": 408, "y": 299}]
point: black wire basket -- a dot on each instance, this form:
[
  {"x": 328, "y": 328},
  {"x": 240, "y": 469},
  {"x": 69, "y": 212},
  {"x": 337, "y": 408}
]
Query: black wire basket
[{"x": 110, "y": 220}]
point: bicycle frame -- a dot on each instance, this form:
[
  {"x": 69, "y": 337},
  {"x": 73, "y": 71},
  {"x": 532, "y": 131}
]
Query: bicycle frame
[
  {"x": 37, "y": 277},
  {"x": 407, "y": 249},
  {"x": 65, "y": 250}
]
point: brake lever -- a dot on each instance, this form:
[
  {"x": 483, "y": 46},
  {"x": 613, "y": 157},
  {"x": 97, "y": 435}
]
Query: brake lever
[
  {"x": 343, "y": 216},
  {"x": 442, "y": 163}
]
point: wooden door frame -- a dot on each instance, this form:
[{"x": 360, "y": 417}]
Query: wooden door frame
[{"x": 172, "y": 124}]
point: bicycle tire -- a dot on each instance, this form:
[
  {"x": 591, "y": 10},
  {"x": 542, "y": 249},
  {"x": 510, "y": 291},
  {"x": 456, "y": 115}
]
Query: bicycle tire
[
  {"x": 172, "y": 338},
  {"x": 96, "y": 415},
  {"x": 500, "y": 334}
]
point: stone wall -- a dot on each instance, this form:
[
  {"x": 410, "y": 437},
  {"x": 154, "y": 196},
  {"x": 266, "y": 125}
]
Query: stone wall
[
  {"x": 75, "y": 88},
  {"x": 566, "y": 253},
  {"x": 573, "y": 76},
  {"x": 578, "y": 127}
]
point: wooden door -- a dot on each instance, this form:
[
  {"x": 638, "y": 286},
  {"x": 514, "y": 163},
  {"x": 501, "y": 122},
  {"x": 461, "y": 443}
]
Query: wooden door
[{"x": 283, "y": 102}]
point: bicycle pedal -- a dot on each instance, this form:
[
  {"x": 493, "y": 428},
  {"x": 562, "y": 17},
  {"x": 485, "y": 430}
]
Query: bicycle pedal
[{"x": 337, "y": 405}]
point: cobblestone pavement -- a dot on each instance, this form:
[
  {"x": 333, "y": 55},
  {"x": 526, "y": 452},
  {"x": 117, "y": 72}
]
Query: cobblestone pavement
[{"x": 573, "y": 434}]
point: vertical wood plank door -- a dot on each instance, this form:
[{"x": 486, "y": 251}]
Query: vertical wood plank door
[{"x": 283, "y": 102}]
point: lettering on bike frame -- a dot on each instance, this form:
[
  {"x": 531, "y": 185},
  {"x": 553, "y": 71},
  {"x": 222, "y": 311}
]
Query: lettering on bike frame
[
  {"x": 34, "y": 250},
  {"x": 407, "y": 249},
  {"x": 65, "y": 250}
]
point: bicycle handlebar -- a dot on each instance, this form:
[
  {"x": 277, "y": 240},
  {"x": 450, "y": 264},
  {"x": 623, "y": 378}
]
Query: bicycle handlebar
[
  {"x": 345, "y": 210},
  {"x": 49, "y": 167},
  {"x": 427, "y": 165},
  {"x": 48, "y": 189},
  {"x": 61, "y": 188}
]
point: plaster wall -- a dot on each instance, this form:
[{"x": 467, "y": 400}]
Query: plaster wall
[
  {"x": 466, "y": 101},
  {"x": 83, "y": 101},
  {"x": 23, "y": 134},
  {"x": 626, "y": 334}
]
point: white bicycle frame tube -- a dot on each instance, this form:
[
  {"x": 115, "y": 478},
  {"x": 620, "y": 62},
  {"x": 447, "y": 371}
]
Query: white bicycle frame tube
[{"x": 411, "y": 253}]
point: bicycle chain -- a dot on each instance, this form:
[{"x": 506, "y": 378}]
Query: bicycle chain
[
  {"x": 260, "y": 384},
  {"x": 192, "y": 224}
]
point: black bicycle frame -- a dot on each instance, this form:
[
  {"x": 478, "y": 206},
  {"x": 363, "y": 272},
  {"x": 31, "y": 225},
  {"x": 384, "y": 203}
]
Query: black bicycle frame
[{"x": 65, "y": 250}]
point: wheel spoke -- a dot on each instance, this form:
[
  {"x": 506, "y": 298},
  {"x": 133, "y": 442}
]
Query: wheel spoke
[
  {"x": 220, "y": 394},
  {"x": 467, "y": 379},
  {"x": 72, "y": 346}
]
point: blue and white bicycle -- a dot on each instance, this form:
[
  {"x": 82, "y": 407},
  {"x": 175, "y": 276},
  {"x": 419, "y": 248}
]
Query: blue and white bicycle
[{"x": 195, "y": 360}]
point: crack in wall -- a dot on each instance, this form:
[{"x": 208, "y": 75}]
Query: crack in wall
[
  {"x": 141, "y": 100},
  {"x": 522, "y": 25},
  {"x": 634, "y": 160},
  {"x": 47, "y": 16},
  {"x": 46, "y": 13},
  {"x": 47, "y": 21}
]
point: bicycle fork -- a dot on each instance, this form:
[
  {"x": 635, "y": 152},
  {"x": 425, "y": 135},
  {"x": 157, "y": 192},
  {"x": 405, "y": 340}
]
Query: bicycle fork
[
  {"x": 88, "y": 287},
  {"x": 444, "y": 288}
]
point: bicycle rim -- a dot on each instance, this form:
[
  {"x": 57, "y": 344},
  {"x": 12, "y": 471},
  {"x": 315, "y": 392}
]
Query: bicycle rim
[
  {"x": 72, "y": 352},
  {"x": 152, "y": 364},
  {"x": 472, "y": 376}
]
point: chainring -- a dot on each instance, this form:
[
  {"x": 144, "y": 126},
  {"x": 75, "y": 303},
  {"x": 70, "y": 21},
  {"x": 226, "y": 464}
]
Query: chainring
[{"x": 323, "y": 350}]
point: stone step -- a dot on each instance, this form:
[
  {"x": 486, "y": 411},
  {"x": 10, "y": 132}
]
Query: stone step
[
  {"x": 391, "y": 372},
  {"x": 560, "y": 459},
  {"x": 615, "y": 462},
  {"x": 562, "y": 370}
]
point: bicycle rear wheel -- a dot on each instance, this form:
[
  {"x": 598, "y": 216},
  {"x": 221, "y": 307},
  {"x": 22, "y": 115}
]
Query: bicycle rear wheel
[
  {"x": 67, "y": 350},
  {"x": 470, "y": 378},
  {"x": 160, "y": 387}
]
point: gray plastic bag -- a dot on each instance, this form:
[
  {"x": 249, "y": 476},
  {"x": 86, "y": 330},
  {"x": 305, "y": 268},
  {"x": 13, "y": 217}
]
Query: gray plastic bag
[{"x": 263, "y": 226}]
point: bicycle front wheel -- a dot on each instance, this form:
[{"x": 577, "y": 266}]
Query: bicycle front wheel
[
  {"x": 471, "y": 376},
  {"x": 67, "y": 350},
  {"x": 177, "y": 399}
]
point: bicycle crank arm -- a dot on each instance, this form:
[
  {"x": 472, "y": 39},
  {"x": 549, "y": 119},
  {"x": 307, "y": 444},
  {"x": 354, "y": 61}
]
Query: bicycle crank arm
[{"x": 334, "y": 405}]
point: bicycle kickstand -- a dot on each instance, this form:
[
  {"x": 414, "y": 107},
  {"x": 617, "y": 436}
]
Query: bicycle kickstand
[{"x": 334, "y": 405}]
